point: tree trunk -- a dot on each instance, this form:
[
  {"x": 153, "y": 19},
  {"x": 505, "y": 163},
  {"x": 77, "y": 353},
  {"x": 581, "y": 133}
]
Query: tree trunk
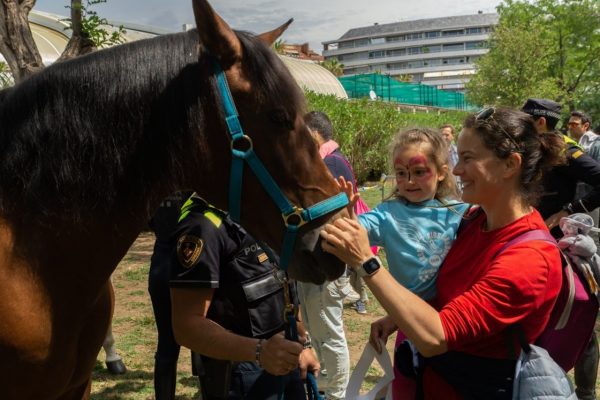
[
  {"x": 80, "y": 42},
  {"x": 16, "y": 41}
]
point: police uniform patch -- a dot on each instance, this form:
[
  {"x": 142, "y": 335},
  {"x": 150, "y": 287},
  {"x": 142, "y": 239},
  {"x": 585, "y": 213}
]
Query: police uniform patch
[
  {"x": 262, "y": 257},
  {"x": 189, "y": 248},
  {"x": 577, "y": 154}
]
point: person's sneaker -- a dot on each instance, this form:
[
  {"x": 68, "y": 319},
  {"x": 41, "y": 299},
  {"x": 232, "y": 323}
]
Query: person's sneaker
[
  {"x": 352, "y": 296},
  {"x": 360, "y": 307}
]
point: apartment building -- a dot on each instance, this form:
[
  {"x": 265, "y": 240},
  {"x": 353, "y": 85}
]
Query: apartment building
[{"x": 438, "y": 51}]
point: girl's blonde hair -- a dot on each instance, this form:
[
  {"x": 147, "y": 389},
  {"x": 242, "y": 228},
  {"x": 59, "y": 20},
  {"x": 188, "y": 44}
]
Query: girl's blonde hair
[{"x": 437, "y": 152}]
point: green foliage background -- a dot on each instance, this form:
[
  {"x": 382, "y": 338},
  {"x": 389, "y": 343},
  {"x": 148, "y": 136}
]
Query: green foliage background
[
  {"x": 542, "y": 48},
  {"x": 364, "y": 129}
]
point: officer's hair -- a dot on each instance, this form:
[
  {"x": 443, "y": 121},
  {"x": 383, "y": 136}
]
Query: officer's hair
[
  {"x": 551, "y": 122},
  {"x": 319, "y": 122}
]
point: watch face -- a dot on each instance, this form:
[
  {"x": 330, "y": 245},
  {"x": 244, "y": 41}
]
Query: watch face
[{"x": 371, "y": 265}]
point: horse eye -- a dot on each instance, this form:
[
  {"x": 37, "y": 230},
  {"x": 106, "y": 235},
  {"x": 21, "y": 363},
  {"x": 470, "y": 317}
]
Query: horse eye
[{"x": 280, "y": 117}]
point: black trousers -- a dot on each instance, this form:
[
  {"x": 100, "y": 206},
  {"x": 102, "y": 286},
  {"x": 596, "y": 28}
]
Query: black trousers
[
  {"x": 167, "y": 350},
  {"x": 586, "y": 371}
]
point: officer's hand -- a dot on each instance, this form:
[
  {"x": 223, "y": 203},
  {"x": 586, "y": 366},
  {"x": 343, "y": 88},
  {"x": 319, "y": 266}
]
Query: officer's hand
[
  {"x": 309, "y": 362},
  {"x": 280, "y": 356}
]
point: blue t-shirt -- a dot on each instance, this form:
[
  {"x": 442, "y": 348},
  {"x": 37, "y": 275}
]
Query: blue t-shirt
[{"x": 416, "y": 238}]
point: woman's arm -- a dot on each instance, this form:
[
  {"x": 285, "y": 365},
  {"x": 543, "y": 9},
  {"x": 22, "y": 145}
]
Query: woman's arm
[{"x": 347, "y": 239}]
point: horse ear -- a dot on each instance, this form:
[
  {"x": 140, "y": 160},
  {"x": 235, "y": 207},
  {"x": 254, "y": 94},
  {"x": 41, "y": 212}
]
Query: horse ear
[
  {"x": 270, "y": 37},
  {"x": 218, "y": 38}
]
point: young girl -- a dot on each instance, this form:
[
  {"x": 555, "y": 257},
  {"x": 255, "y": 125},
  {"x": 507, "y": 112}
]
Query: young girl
[{"x": 416, "y": 226}]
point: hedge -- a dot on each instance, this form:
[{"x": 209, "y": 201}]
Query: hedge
[{"x": 364, "y": 128}]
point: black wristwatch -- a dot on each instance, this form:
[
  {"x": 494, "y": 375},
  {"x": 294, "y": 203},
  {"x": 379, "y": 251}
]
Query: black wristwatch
[{"x": 369, "y": 267}]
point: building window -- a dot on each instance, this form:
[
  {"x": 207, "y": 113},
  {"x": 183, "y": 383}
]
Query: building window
[
  {"x": 377, "y": 54},
  {"x": 433, "y": 34},
  {"x": 454, "y": 32},
  {"x": 401, "y": 65},
  {"x": 396, "y": 52},
  {"x": 414, "y": 50},
  {"x": 454, "y": 47},
  {"x": 453, "y": 60},
  {"x": 473, "y": 31},
  {"x": 435, "y": 48},
  {"x": 362, "y": 42},
  {"x": 395, "y": 38},
  {"x": 414, "y": 36},
  {"x": 346, "y": 45},
  {"x": 474, "y": 45},
  {"x": 378, "y": 40}
]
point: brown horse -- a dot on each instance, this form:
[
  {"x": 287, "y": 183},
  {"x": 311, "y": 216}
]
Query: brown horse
[{"x": 89, "y": 148}]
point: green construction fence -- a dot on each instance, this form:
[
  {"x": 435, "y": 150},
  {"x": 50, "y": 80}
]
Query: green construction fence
[{"x": 389, "y": 89}]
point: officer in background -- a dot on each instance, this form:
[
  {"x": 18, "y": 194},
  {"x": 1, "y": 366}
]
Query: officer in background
[
  {"x": 561, "y": 200},
  {"x": 560, "y": 184},
  {"x": 228, "y": 306},
  {"x": 163, "y": 225}
]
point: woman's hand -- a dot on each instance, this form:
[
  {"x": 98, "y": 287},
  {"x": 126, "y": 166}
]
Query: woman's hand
[
  {"x": 347, "y": 239},
  {"x": 381, "y": 331}
]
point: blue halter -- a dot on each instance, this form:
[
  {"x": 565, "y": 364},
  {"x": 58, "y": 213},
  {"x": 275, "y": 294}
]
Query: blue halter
[{"x": 294, "y": 217}]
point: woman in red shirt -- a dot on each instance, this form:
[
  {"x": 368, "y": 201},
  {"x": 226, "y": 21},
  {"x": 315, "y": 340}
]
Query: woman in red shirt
[{"x": 480, "y": 296}]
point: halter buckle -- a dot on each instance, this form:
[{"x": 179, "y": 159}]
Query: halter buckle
[
  {"x": 298, "y": 214},
  {"x": 241, "y": 144}
]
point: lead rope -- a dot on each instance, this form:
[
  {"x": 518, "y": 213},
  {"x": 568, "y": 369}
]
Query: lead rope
[{"x": 291, "y": 333}]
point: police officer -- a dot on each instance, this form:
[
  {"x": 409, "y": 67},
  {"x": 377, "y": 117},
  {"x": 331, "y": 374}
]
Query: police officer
[
  {"x": 559, "y": 200},
  {"x": 228, "y": 306},
  {"x": 560, "y": 183}
]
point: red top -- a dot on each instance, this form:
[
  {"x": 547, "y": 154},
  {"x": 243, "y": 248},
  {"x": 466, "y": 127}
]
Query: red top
[{"x": 480, "y": 296}]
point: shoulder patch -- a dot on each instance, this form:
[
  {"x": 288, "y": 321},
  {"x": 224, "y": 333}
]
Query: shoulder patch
[
  {"x": 189, "y": 248},
  {"x": 576, "y": 154},
  {"x": 213, "y": 217}
]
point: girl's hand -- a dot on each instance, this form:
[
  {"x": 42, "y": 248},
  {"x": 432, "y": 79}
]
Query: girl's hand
[
  {"x": 381, "y": 331},
  {"x": 348, "y": 188},
  {"x": 347, "y": 239}
]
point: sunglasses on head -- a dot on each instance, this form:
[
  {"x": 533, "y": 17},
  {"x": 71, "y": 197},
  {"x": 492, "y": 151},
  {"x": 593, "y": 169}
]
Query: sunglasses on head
[{"x": 487, "y": 114}]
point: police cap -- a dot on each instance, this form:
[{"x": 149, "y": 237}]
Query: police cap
[{"x": 542, "y": 108}]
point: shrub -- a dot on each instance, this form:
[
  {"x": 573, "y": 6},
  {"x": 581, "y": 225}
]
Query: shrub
[{"x": 364, "y": 128}]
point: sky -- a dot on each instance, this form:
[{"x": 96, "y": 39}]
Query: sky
[{"x": 315, "y": 21}]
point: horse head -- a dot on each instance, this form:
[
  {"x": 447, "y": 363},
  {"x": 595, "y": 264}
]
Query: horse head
[{"x": 270, "y": 106}]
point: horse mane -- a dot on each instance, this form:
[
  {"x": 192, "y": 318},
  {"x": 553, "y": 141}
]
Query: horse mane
[{"x": 85, "y": 134}]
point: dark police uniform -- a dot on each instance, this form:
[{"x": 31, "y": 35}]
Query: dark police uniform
[
  {"x": 212, "y": 251},
  {"x": 560, "y": 184}
]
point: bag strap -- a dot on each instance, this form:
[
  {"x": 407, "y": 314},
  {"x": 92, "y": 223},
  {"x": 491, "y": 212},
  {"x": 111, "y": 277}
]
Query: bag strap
[{"x": 539, "y": 234}]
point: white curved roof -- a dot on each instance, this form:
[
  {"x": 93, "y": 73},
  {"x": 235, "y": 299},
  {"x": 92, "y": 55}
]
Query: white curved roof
[
  {"x": 51, "y": 38},
  {"x": 311, "y": 76}
]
